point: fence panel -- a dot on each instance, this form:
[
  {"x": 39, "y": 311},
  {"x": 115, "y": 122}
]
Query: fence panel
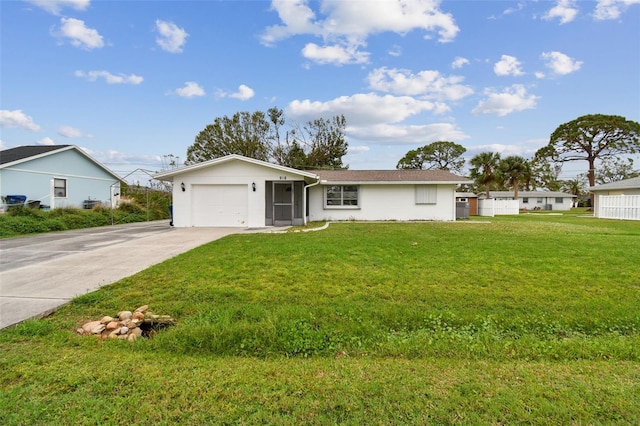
[
  {"x": 626, "y": 207},
  {"x": 493, "y": 207}
]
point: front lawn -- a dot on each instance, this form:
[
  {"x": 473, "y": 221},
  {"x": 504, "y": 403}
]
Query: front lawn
[{"x": 526, "y": 319}]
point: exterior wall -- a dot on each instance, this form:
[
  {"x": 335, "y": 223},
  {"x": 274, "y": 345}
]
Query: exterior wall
[
  {"x": 497, "y": 207},
  {"x": 385, "y": 202},
  {"x": 234, "y": 172},
  {"x": 533, "y": 203},
  {"x": 85, "y": 180},
  {"x": 598, "y": 207}
]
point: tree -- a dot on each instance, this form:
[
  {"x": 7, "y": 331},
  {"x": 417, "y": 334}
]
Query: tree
[
  {"x": 318, "y": 144},
  {"x": 575, "y": 186},
  {"x": 247, "y": 134},
  {"x": 440, "y": 155},
  {"x": 543, "y": 175},
  {"x": 514, "y": 170},
  {"x": 486, "y": 170},
  {"x": 615, "y": 169},
  {"x": 590, "y": 138}
]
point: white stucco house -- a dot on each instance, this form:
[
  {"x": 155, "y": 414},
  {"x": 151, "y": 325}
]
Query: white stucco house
[
  {"x": 537, "y": 200},
  {"x": 244, "y": 192},
  {"x": 617, "y": 200},
  {"x": 56, "y": 176}
]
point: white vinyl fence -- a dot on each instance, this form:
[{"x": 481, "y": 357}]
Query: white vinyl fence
[
  {"x": 619, "y": 207},
  {"x": 492, "y": 207}
]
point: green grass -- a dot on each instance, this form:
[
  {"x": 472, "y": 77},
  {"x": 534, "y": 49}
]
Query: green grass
[{"x": 526, "y": 319}]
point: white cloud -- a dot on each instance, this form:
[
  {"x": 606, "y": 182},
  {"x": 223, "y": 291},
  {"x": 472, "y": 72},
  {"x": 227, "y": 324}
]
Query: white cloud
[
  {"x": 80, "y": 35},
  {"x": 506, "y": 150},
  {"x": 564, "y": 10},
  {"x": 395, "y": 50},
  {"x": 191, "y": 89},
  {"x": 109, "y": 78},
  {"x": 171, "y": 37},
  {"x": 17, "y": 118},
  {"x": 363, "y": 108},
  {"x": 540, "y": 74},
  {"x": 459, "y": 62},
  {"x": 512, "y": 99},
  {"x": 387, "y": 134},
  {"x": 348, "y": 24},
  {"x": 335, "y": 54},
  {"x": 55, "y": 6},
  {"x": 508, "y": 65},
  {"x": 358, "y": 149},
  {"x": 429, "y": 84},
  {"x": 560, "y": 64},
  {"x": 611, "y": 9},
  {"x": 46, "y": 141},
  {"x": 72, "y": 132},
  {"x": 244, "y": 93}
]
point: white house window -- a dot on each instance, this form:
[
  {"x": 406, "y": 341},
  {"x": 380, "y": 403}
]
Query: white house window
[
  {"x": 559, "y": 200},
  {"x": 540, "y": 200},
  {"x": 463, "y": 200},
  {"x": 342, "y": 196},
  {"x": 426, "y": 194},
  {"x": 60, "y": 188},
  {"x": 525, "y": 200}
]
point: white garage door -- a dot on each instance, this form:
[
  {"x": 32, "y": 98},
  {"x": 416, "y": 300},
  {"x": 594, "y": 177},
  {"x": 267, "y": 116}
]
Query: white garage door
[{"x": 219, "y": 205}]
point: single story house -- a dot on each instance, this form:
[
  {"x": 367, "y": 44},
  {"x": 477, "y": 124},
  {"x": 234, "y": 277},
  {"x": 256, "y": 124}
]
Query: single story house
[
  {"x": 537, "y": 200},
  {"x": 55, "y": 176},
  {"x": 245, "y": 192},
  {"x": 617, "y": 200}
]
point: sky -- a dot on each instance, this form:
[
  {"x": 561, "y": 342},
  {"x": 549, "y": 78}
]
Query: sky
[{"x": 133, "y": 82}]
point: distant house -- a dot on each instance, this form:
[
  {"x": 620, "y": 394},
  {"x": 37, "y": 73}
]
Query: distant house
[
  {"x": 245, "y": 192},
  {"x": 617, "y": 200},
  {"x": 55, "y": 176},
  {"x": 537, "y": 200}
]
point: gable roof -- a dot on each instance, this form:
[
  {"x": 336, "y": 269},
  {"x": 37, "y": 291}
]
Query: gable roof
[
  {"x": 22, "y": 154},
  {"x": 621, "y": 184},
  {"x": 176, "y": 172},
  {"x": 26, "y": 152},
  {"x": 402, "y": 176}
]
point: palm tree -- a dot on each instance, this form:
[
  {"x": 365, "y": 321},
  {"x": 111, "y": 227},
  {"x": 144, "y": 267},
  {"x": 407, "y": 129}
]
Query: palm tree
[
  {"x": 515, "y": 170},
  {"x": 486, "y": 170}
]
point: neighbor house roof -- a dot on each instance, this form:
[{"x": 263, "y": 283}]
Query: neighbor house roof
[
  {"x": 622, "y": 184},
  {"x": 21, "y": 154},
  {"x": 530, "y": 194},
  {"x": 389, "y": 176},
  {"x": 26, "y": 152}
]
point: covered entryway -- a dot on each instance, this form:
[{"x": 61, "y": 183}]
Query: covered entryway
[
  {"x": 220, "y": 205},
  {"x": 283, "y": 206}
]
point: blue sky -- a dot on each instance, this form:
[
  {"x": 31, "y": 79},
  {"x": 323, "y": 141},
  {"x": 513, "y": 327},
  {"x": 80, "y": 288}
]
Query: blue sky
[{"x": 133, "y": 81}]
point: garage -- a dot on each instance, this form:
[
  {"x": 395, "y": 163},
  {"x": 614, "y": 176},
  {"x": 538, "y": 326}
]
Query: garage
[{"x": 220, "y": 205}]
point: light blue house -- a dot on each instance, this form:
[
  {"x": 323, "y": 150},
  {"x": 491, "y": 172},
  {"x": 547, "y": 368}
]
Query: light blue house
[{"x": 55, "y": 176}]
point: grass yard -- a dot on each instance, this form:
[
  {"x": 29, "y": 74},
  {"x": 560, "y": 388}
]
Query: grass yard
[{"x": 530, "y": 319}]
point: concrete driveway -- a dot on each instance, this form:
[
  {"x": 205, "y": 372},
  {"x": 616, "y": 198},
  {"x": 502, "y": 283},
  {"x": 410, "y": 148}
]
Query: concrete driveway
[{"x": 40, "y": 273}]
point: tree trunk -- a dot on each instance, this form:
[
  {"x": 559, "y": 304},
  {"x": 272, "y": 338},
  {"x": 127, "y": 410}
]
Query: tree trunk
[{"x": 592, "y": 180}]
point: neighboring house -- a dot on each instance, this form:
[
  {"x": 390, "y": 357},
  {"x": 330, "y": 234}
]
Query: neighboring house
[
  {"x": 240, "y": 191},
  {"x": 56, "y": 176},
  {"x": 537, "y": 200},
  {"x": 617, "y": 200},
  {"x": 471, "y": 199}
]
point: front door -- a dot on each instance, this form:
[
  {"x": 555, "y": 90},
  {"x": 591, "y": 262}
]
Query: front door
[{"x": 282, "y": 203}]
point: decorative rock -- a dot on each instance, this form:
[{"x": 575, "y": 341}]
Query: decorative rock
[
  {"x": 98, "y": 329},
  {"x": 124, "y": 330},
  {"x": 88, "y": 327},
  {"x": 114, "y": 334},
  {"x": 136, "y": 332},
  {"x": 123, "y": 337},
  {"x": 106, "y": 320},
  {"x": 124, "y": 315},
  {"x": 142, "y": 309},
  {"x": 138, "y": 315},
  {"x": 105, "y": 334},
  {"x": 132, "y": 337},
  {"x": 112, "y": 325}
]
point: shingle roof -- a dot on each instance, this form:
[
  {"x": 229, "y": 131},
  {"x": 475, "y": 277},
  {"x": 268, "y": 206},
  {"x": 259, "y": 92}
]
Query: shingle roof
[
  {"x": 622, "y": 184},
  {"x": 21, "y": 152},
  {"x": 399, "y": 176}
]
